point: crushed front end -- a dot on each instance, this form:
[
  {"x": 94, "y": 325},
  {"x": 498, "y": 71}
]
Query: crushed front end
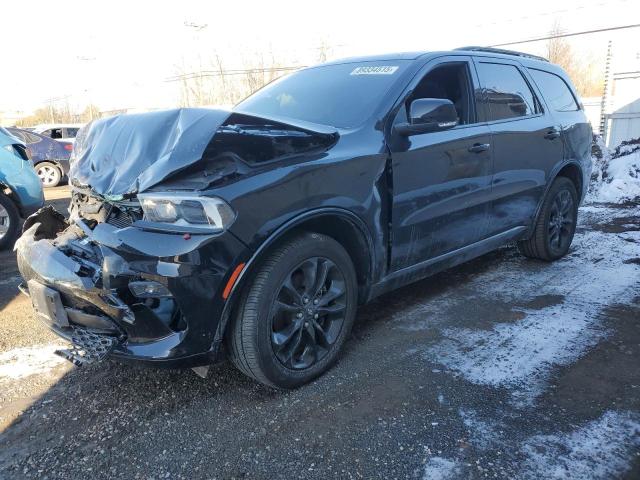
[{"x": 112, "y": 286}]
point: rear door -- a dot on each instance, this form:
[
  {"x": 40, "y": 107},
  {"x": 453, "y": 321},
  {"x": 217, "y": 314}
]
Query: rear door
[
  {"x": 441, "y": 180},
  {"x": 526, "y": 142}
]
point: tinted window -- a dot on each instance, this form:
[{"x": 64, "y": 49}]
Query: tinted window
[
  {"x": 343, "y": 95},
  {"x": 505, "y": 92},
  {"x": 26, "y": 137},
  {"x": 71, "y": 132},
  {"x": 18, "y": 134},
  {"x": 555, "y": 91},
  {"x": 31, "y": 138},
  {"x": 449, "y": 81}
]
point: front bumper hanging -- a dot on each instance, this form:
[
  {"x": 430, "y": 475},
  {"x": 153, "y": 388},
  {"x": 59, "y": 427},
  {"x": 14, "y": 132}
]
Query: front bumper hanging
[{"x": 128, "y": 293}]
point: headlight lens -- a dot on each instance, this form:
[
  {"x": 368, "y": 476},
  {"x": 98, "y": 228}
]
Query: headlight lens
[{"x": 187, "y": 210}]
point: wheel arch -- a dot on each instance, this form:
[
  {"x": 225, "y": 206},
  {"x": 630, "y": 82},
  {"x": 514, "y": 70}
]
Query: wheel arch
[
  {"x": 342, "y": 225},
  {"x": 572, "y": 171}
]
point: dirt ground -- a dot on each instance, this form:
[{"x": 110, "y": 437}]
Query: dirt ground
[{"x": 501, "y": 368}]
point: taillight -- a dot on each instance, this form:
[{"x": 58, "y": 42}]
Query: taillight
[{"x": 68, "y": 146}]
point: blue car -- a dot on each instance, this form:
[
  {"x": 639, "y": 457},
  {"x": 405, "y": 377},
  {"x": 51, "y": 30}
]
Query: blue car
[
  {"x": 20, "y": 188},
  {"x": 50, "y": 157}
]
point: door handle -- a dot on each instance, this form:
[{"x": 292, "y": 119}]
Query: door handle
[
  {"x": 552, "y": 134},
  {"x": 479, "y": 147}
]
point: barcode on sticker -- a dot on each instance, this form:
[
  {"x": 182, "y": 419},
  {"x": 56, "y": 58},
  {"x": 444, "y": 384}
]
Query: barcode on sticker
[{"x": 379, "y": 70}]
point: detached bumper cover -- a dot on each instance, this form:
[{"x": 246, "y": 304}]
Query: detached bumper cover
[{"x": 91, "y": 271}]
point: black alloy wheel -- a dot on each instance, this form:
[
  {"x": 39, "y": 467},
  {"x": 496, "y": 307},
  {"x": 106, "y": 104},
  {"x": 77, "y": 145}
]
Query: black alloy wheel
[
  {"x": 562, "y": 221},
  {"x": 555, "y": 224},
  {"x": 308, "y": 313},
  {"x": 295, "y": 312}
]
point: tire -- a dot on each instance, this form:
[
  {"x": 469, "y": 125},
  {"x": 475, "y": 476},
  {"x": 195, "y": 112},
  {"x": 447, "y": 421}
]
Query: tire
[
  {"x": 275, "y": 313},
  {"x": 49, "y": 173},
  {"x": 9, "y": 220},
  {"x": 559, "y": 213}
]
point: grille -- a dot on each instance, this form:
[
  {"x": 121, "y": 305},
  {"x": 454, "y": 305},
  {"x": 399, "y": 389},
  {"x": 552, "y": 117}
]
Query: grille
[{"x": 119, "y": 219}]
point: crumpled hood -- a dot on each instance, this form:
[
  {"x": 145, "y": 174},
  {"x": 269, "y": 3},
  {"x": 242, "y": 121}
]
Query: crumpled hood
[{"x": 130, "y": 153}]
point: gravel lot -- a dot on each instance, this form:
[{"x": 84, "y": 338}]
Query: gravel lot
[{"x": 501, "y": 368}]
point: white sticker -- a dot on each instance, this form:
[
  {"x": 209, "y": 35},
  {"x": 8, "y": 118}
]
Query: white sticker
[{"x": 379, "y": 70}]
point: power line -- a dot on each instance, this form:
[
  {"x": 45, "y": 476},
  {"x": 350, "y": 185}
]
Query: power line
[
  {"x": 546, "y": 14},
  {"x": 561, "y": 35},
  {"x": 224, "y": 73}
]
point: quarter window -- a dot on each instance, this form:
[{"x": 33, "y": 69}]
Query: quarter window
[
  {"x": 555, "y": 91},
  {"x": 505, "y": 92},
  {"x": 71, "y": 132}
]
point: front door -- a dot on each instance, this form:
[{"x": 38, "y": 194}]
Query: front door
[{"x": 441, "y": 180}]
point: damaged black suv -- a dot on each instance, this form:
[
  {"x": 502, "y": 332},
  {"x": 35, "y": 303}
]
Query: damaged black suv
[{"x": 197, "y": 233}]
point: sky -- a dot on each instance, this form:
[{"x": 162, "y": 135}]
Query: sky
[{"x": 119, "y": 54}]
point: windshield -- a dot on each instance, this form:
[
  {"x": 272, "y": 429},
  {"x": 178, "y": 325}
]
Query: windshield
[{"x": 342, "y": 95}]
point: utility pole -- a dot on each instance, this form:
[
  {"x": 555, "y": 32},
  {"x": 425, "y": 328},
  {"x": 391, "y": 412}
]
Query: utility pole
[{"x": 606, "y": 91}]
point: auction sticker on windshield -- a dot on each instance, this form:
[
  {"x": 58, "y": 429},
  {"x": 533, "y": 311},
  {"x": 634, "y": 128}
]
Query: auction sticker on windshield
[{"x": 373, "y": 70}]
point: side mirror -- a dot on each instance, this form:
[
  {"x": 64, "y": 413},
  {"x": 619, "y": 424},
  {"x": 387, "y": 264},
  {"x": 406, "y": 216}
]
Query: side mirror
[{"x": 429, "y": 115}]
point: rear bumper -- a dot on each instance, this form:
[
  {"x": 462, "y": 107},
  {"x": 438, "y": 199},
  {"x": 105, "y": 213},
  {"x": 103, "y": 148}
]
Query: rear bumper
[{"x": 91, "y": 272}]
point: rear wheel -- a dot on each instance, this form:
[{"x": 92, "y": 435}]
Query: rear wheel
[
  {"x": 296, "y": 314},
  {"x": 9, "y": 219},
  {"x": 49, "y": 173},
  {"x": 556, "y": 223}
]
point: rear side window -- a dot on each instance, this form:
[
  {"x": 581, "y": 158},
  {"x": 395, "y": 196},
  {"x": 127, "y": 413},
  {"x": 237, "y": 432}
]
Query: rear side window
[
  {"x": 505, "y": 92},
  {"x": 555, "y": 90},
  {"x": 71, "y": 132},
  {"x": 18, "y": 134}
]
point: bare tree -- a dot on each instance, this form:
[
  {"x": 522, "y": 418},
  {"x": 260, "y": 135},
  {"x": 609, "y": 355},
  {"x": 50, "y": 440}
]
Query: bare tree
[{"x": 585, "y": 72}]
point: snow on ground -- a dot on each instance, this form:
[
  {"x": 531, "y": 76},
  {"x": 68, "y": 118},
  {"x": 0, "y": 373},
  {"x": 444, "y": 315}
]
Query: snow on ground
[
  {"x": 601, "y": 449},
  {"x": 616, "y": 175},
  {"x": 438, "y": 468},
  {"x": 26, "y": 361},
  {"x": 552, "y": 323},
  {"x": 521, "y": 355},
  {"x": 624, "y": 175}
]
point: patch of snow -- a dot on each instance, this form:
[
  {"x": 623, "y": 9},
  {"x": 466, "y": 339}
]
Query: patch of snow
[
  {"x": 616, "y": 174},
  {"x": 438, "y": 468},
  {"x": 26, "y": 361},
  {"x": 601, "y": 449},
  {"x": 482, "y": 434},
  {"x": 521, "y": 355},
  {"x": 623, "y": 179}
]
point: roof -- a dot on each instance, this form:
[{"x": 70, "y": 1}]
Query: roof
[
  {"x": 471, "y": 50},
  {"x": 44, "y": 126}
]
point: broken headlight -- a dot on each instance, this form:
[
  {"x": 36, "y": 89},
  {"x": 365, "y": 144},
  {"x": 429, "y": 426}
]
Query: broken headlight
[{"x": 187, "y": 210}]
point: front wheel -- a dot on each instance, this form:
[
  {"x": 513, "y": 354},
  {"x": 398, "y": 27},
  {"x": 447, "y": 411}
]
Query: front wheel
[
  {"x": 556, "y": 223},
  {"x": 49, "y": 173},
  {"x": 296, "y": 314}
]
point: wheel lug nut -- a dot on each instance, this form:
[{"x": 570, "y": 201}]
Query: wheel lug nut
[
  {"x": 315, "y": 316},
  {"x": 299, "y": 315},
  {"x": 315, "y": 302},
  {"x": 305, "y": 300},
  {"x": 306, "y": 324}
]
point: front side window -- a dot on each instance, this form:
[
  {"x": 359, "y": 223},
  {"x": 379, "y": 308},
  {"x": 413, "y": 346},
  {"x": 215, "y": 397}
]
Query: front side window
[
  {"x": 340, "y": 95},
  {"x": 555, "y": 91},
  {"x": 56, "y": 133},
  {"x": 449, "y": 81},
  {"x": 505, "y": 92}
]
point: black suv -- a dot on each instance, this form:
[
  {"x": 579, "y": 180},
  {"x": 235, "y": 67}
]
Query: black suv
[{"x": 257, "y": 232}]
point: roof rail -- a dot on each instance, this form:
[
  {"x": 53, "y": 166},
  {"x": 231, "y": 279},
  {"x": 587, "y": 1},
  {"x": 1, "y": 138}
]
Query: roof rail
[{"x": 502, "y": 51}]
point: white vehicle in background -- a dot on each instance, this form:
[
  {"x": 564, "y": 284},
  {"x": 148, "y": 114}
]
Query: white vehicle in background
[{"x": 59, "y": 131}]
